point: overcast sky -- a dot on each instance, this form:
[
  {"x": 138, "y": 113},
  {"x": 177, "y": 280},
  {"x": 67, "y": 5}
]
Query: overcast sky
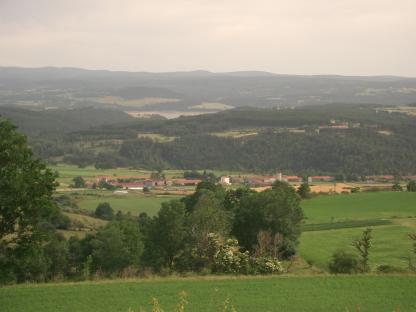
[{"x": 355, "y": 37}]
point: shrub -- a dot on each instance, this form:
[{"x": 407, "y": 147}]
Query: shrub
[
  {"x": 104, "y": 211},
  {"x": 343, "y": 262},
  {"x": 411, "y": 186},
  {"x": 397, "y": 187}
]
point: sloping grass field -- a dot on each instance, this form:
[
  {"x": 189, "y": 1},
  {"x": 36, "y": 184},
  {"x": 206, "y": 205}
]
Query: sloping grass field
[
  {"x": 394, "y": 211},
  {"x": 360, "y": 206},
  {"x": 300, "y": 294}
]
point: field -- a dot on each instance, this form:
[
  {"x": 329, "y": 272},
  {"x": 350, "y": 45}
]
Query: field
[
  {"x": 212, "y": 106},
  {"x": 391, "y": 215},
  {"x": 371, "y": 205},
  {"x": 156, "y": 137},
  {"x": 331, "y": 221},
  {"x": 68, "y": 172},
  {"x": 132, "y": 102},
  {"x": 134, "y": 202},
  {"x": 308, "y": 294}
]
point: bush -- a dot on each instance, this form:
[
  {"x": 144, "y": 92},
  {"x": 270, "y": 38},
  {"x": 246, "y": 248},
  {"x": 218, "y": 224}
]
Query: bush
[
  {"x": 104, "y": 211},
  {"x": 343, "y": 263},
  {"x": 411, "y": 186},
  {"x": 397, "y": 187},
  {"x": 78, "y": 182}
]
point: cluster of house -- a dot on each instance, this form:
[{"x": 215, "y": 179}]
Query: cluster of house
[
  {"x": 139, "y": 183},
  {"x": 262, "y": 181},
  {"x": 389, "y": 178}
]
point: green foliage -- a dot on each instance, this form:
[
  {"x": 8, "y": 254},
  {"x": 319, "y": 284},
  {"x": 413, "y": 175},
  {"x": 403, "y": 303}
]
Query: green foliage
[
  {"x": 411, "y": 186},
  {"x": 396, "y": 187},
  {"x": 26, "y": 186},
  {"x": 225, "y": 255},
  {"x": 78, "y": 182},
  {"x": 166, "y": 235},
  {"x": 104, "y": 185},
  {"x": 104, "y": 211},
  {"x": 208, "y": 216},
  {"x": 116, "y": 246},
  {"x": 276, "y": 210},
  {"x": 28, "y": 213},
  {"x": 304, "y": 191},
  {"x": 363, "y": 246},
  {"x": 205, "y": 176},
  {"x": 343, "y": 262}
]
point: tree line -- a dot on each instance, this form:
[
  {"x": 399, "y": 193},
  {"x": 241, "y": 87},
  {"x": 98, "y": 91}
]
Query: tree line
[{"x": 210, "y": 231}]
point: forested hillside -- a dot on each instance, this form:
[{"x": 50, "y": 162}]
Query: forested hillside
[{"x": 342, "y": 138}]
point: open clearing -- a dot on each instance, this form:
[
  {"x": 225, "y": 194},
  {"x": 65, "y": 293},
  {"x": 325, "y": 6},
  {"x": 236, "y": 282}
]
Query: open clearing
[{"x": 300, "y": 294}]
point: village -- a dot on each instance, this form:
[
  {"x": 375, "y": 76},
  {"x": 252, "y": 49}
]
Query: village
[{"x": 178, "y": 186}]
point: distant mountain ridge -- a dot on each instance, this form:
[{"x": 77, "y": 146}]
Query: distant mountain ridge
[{"x": 74, "y": 87}]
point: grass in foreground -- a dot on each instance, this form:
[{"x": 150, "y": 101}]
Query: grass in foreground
[{"x": 323, "y": 293}]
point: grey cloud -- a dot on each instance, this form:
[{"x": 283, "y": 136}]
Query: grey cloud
[{"x": 299, "y": 37}]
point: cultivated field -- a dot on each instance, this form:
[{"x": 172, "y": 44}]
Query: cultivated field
[{"x": 300, "y": 294}]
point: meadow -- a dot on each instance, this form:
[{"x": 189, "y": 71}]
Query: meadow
[
  {"x": 360, "y": 206},
  {"x": 342, "y": 218},
  {"x": 133, "y": 202},
  {"x": 281, "y": 293}
]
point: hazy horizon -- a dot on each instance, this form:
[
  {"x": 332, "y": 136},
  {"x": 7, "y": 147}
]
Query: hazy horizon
[{"x": 344, "y": 37}]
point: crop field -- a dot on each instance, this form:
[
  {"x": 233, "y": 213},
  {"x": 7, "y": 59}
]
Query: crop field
[
  {"x": 333, "y": 222},
  {"x": 134, "y": 203},
  {"x": 308, "y": 294}
]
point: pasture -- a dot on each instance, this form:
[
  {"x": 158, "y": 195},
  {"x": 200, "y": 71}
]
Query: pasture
[
  {"x": 360, "y": 206},
  {"x": 342, "y": 218},
  {"x": 281, "y": 293},
  {"x": 133, "y": 202}
]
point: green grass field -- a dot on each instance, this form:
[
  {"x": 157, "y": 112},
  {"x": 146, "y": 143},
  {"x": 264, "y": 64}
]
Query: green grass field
[
  {"x": 390, "y": 244},
  {"x": 308, "y": 294},
  {"x": 376, "y": 205},
  {"x": 135, "y": 203}
]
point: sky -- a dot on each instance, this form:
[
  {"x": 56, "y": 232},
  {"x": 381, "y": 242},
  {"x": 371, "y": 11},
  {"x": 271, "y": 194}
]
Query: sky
[{"x": 346, "y": 37}]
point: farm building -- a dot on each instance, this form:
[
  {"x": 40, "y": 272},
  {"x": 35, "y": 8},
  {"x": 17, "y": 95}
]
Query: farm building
[
  {"x": 129, "y": 185},
  {"x": 225, "y": 180},
  {"x": 292, "y": 179}
]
